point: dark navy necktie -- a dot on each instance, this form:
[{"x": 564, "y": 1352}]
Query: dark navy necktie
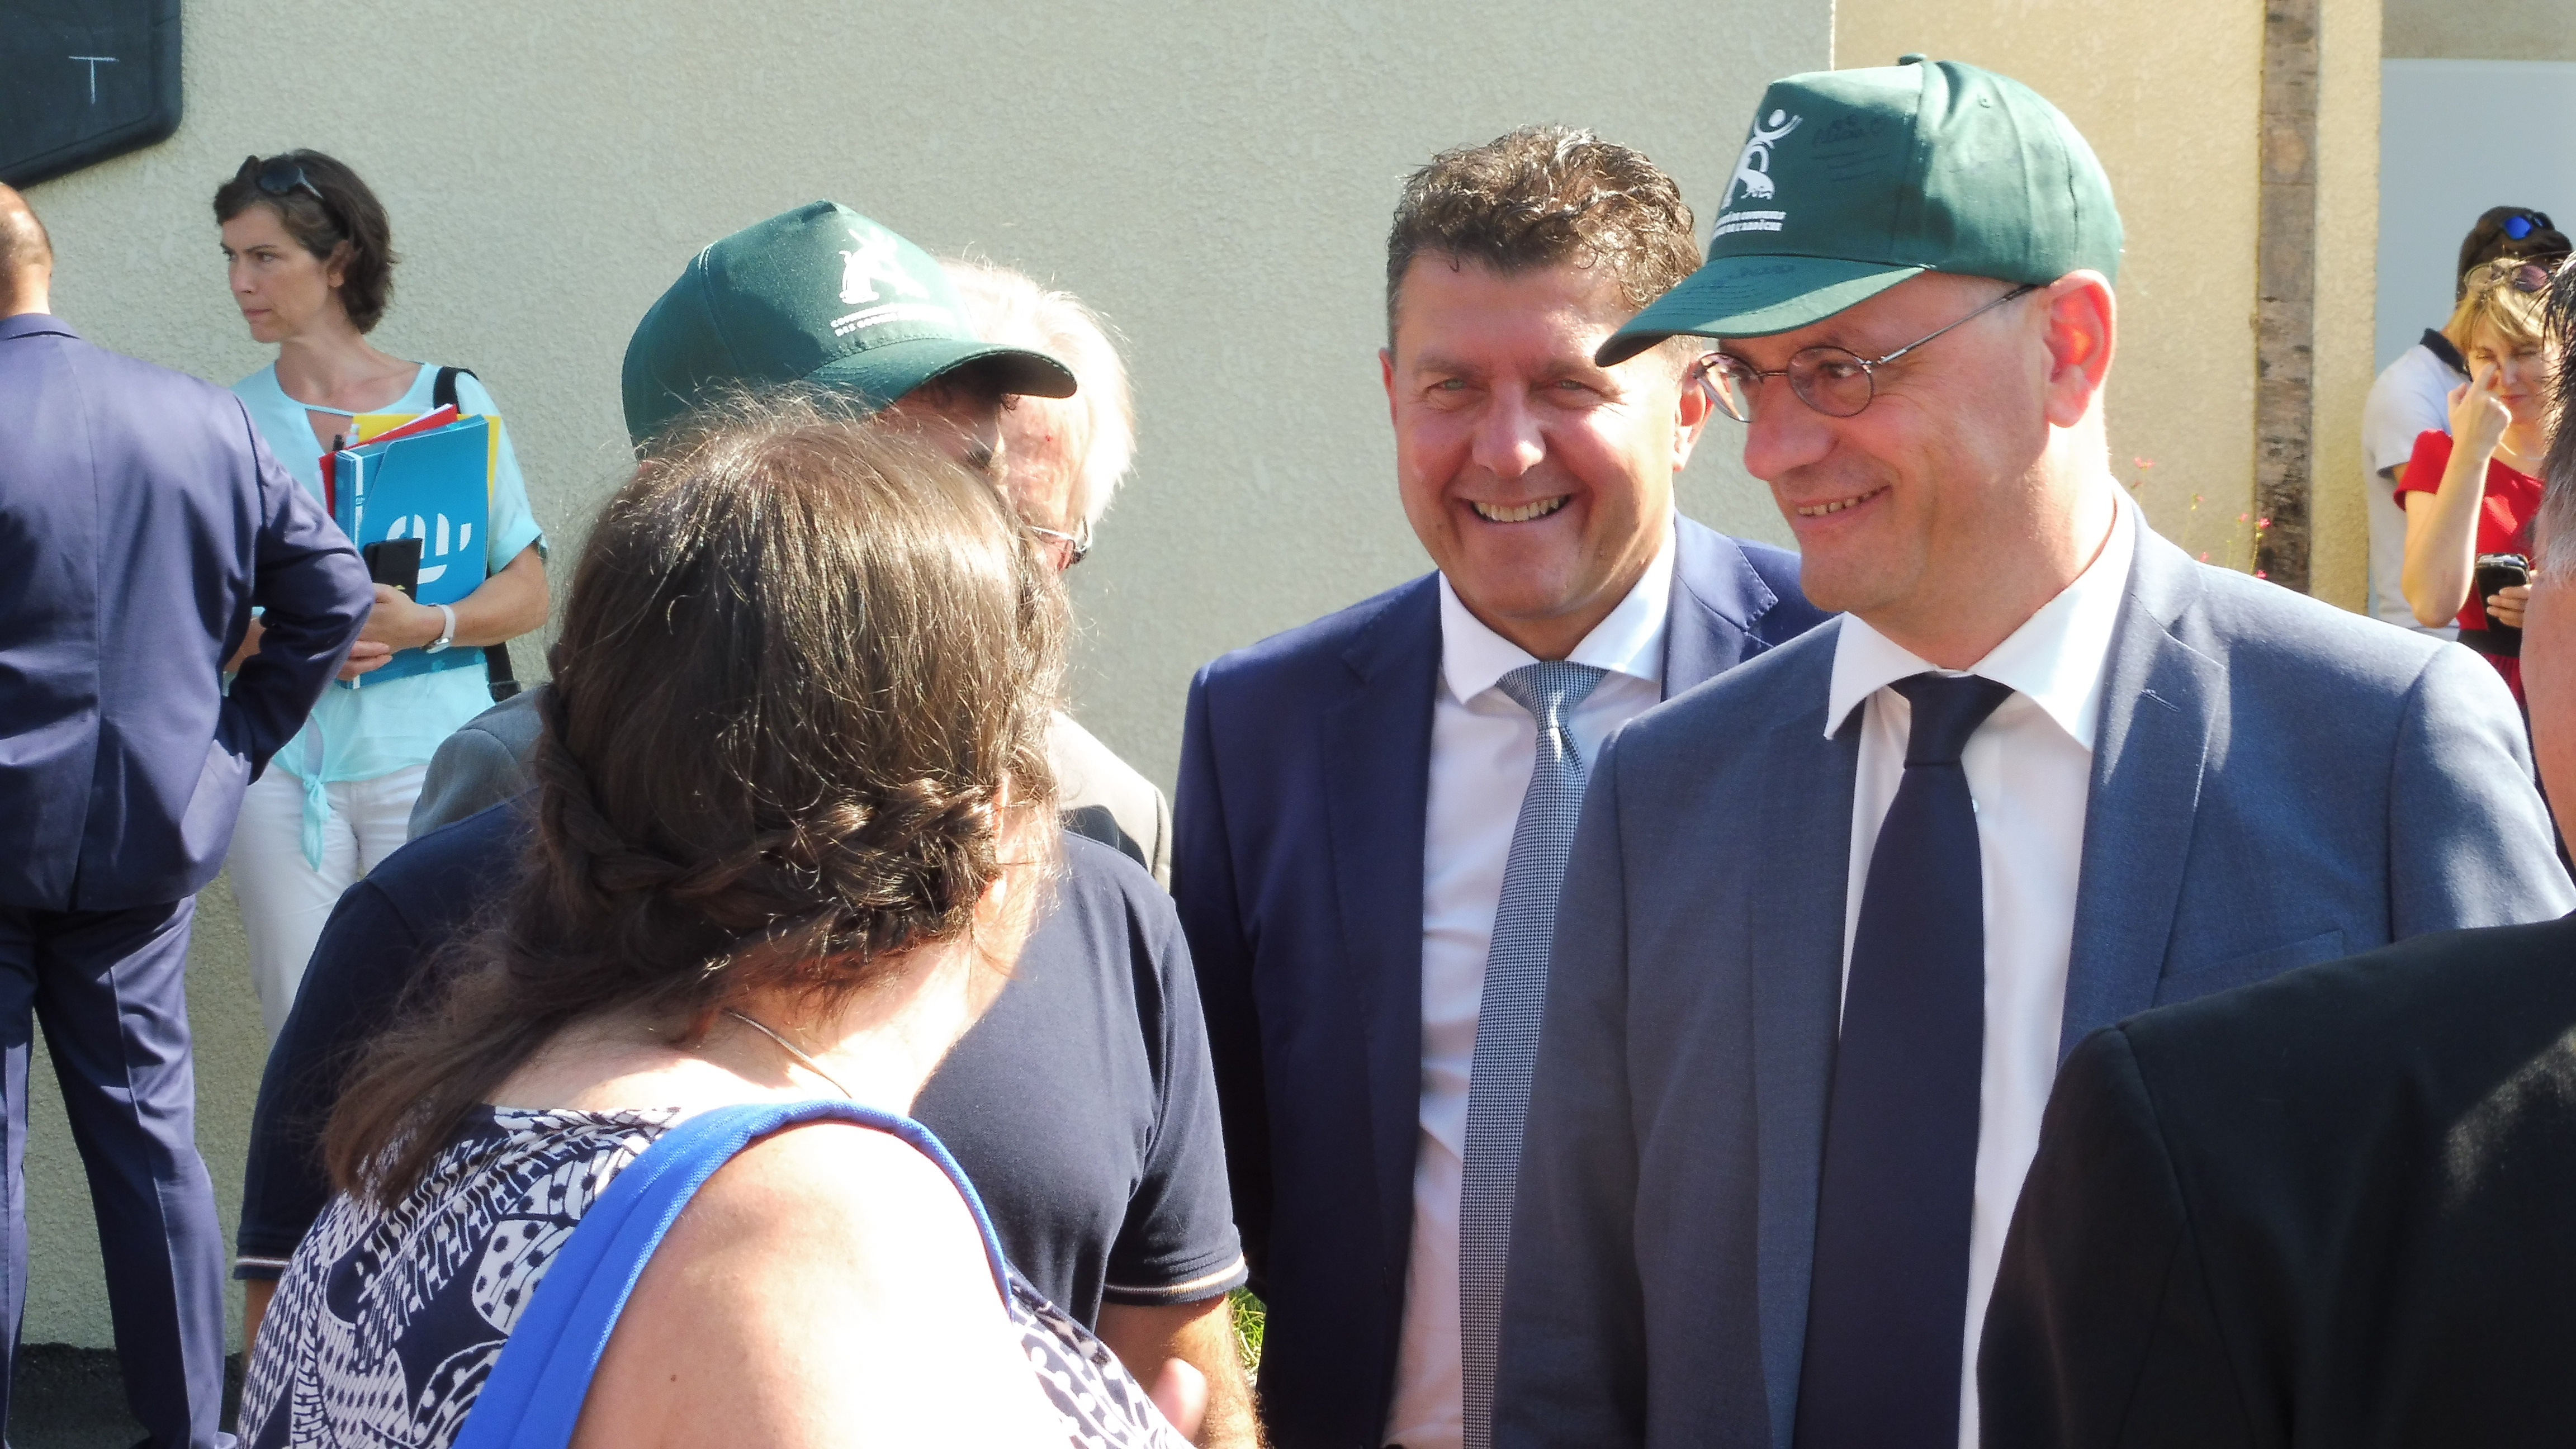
[
  {"x": 1889, "y": 1301},
  {"x": 1507, "y": 1021}
]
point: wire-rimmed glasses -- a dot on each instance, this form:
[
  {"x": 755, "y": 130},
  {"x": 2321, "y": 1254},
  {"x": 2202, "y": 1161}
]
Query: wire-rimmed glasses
[
  {"x": 1832, "y": 380},
  {"x": 1068, "y": 549}
]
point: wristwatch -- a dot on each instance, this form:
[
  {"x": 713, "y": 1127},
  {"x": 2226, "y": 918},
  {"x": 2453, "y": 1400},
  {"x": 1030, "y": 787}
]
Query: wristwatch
[{"x": 446, "y": 632}]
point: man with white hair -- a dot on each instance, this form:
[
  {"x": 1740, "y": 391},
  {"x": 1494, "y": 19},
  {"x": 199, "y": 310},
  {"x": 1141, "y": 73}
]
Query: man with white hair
[{"x": 1061, "y": 459}]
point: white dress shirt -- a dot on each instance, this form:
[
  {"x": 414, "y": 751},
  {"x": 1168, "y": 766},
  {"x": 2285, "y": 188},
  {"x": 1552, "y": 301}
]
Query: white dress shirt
[
  {"x": 1482, "y": 749},
  {"x": 2029, "y": 769}
]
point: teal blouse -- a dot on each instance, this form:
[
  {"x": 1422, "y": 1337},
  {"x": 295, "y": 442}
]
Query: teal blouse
[{"x": 366, "y": 733}]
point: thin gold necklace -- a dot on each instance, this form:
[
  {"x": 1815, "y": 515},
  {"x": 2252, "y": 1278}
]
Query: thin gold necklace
[{"x": 790, "y": 1048}]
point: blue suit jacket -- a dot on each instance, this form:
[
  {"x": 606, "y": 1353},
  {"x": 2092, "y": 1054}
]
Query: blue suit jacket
[
  {"x": 140, "y": 518},
  {"x": 1305, "y": 773},
  {"x": 2275, "y": 782}
]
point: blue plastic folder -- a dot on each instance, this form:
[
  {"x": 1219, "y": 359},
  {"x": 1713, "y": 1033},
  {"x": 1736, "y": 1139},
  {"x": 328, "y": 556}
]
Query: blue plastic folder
[{"x": 435, "y": 487}]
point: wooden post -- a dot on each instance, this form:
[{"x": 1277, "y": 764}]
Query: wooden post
[{"x": 2285, "y": 319}]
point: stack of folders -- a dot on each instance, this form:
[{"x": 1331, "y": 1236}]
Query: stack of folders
[{"x": 428, "y": 482}]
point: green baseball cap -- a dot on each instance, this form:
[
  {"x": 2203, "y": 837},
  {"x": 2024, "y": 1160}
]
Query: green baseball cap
[
  {"x": 1852, "y": 181},
  {"x": 821, "y": 295}
]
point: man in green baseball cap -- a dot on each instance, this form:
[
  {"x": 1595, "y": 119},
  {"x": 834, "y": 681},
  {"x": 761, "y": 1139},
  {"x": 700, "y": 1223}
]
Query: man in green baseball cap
[
  {"x": 822, "y": 295},
  {"x": 1832, "y": 919}
]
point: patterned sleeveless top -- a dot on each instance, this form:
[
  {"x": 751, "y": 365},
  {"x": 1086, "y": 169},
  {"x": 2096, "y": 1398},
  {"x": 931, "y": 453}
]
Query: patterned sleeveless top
[{"x": 386, "y": 1323}]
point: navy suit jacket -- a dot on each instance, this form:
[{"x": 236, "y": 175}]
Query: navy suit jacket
[
  {"x": 1305, "y": 774},
  {"x": 140, "y": 519},
  {"x": 2275, "y": 782}
]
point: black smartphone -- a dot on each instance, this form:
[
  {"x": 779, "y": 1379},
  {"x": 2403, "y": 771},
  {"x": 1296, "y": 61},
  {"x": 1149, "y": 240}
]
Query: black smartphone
[
  {"x": 395, "y": 561},
  {"x": 2495, "y": 572}
]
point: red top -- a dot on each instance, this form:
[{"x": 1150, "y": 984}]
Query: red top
[{"x": 2504, "y": 521}]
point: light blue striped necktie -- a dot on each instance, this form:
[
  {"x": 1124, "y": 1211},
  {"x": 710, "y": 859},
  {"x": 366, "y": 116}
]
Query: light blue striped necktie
[{"x": 1507, "y": 1020}]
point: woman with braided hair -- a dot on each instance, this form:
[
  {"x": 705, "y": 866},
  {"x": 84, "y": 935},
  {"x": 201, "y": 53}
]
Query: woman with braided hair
[{"x": 793, "y": 811}]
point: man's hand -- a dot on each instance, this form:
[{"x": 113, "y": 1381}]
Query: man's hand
[{"x": 1199, "y": 1336}]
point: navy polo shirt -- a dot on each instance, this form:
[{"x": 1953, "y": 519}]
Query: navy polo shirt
[{"x": 1081, "y": 1105}]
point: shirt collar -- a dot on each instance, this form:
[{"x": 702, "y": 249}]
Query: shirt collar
[
  {"x": 30, "y": 324},
  {"x": 2055, "y": 658},
  {"x": 1629, "y": 640}
]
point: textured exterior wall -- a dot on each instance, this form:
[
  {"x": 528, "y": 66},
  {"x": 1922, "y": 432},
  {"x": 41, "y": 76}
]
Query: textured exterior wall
[
  {"x": 2496, "y": 30},
  {"x": 1216, "y": 179},
  {"x": 2168, "y": 96}
]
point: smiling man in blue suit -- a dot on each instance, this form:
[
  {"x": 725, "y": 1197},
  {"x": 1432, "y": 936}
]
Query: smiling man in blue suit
[
  {"x": 1832, "y": 920},
  {"x": 1374, "y": 809}
]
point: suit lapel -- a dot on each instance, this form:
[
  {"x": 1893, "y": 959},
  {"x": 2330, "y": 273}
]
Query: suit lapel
[
  {"x": 1376, "y": 787},
  {"x": 1793, "y": 957},
  {"x": 2158, "y": 702},
  {"x": 1716, "y": 599}
]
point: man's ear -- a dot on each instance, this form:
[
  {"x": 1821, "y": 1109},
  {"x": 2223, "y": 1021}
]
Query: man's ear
[
  {"x": 2082, "y": 322},
  {"x": 1691, "y": 412},
  {"x": 1386, "y": 374}
]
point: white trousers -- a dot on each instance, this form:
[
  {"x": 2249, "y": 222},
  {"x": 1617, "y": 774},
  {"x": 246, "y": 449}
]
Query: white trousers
[{"x": 284, "y": 900}]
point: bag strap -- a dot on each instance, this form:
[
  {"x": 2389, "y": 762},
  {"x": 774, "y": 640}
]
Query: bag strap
[
  {"x": 534, "y": 1395},
  {"x": 499, "y": 678},
  {"x": 442, "y": 389}
]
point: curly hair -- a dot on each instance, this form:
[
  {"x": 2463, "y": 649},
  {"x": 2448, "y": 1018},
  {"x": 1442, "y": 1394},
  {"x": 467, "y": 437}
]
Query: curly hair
[
  {"x": 1538, "y": 197},
  {"x": 798, "y": 719},
  {"x": 345, "y": 213}
]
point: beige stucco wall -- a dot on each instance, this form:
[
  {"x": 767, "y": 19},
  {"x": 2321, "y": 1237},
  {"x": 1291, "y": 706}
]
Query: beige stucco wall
[
  {"x": 1215, "y": 178},
  {"x": 2347, "y": 294},
  {"x": 2168, "y": 95}
]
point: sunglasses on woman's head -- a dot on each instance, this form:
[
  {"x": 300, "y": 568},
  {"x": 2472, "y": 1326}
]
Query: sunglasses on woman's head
[
  {"x": 2521, "y": 276},
  {"x": 284, "y": 176},
  {"x": 2523, "y": 223}
]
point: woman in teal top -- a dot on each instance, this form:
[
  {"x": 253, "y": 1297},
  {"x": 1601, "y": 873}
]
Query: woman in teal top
[{"x": 311, "y": 261}]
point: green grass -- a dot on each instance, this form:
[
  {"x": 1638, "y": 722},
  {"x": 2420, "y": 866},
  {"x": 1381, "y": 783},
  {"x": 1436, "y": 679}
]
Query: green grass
[{"x": 1250, "y": 1317}]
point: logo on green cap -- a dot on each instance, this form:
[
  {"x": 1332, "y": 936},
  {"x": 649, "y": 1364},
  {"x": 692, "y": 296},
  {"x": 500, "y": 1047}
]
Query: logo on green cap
[
  {"x": 1753, "y": 175},
  {"x": 878, "y": 259}
]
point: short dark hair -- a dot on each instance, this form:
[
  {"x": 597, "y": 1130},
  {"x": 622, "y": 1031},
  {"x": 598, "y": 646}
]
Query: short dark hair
[
  {"x": 1541, "y": 196},
  {"x": 346, "y": 213},
  {"x": 2488, "y": 241}
]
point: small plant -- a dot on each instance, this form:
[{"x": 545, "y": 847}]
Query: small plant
[{"x": 1250, "y": 1317}]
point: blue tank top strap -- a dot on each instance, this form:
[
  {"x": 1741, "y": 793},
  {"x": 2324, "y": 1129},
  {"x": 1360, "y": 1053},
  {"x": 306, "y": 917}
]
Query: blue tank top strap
[{"x": 534, "y": 1395}]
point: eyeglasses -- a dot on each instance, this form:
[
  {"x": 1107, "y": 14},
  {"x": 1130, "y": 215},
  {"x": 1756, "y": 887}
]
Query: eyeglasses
[
  {"x": 2523, "y": 223},
  {"x": 1831, "y": 380},
  {"x": 1068, "y": 548},
  {"x": 2511, "y": 272},
  {"x": 284, "y": 176}
]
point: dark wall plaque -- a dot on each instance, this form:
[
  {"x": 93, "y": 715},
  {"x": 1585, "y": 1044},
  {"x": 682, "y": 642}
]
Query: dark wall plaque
[{"x": 83, "y": 80}]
